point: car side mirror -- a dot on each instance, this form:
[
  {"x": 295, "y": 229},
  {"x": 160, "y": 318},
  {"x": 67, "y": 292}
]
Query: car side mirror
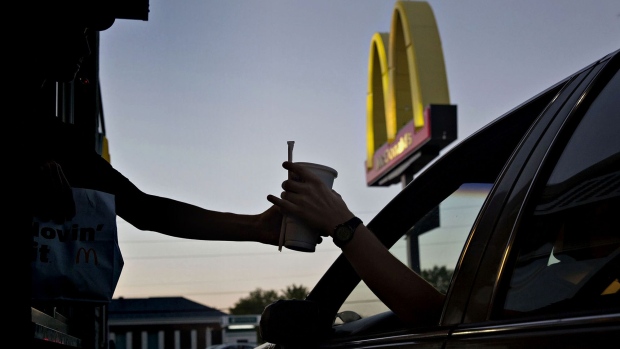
[{"x": 294, "y": 322}]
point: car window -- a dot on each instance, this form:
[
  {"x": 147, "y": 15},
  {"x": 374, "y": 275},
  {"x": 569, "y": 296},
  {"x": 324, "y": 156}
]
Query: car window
[
  {"x": 431, "y": 247},
  {"x": 570, "y": 239}
]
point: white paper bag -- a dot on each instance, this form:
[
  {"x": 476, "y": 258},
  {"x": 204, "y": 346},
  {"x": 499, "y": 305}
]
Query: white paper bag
[{"x": 79, "y": 260}]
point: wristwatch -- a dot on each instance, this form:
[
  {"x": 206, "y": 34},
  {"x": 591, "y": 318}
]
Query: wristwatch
[{"x": 343, "y": 233}]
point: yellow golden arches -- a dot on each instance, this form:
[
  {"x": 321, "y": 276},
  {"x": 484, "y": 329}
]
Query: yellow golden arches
[
  {"x": 416, "y": 73},
  {"x": 378, "y": 79},
  {"x": 416, "y": 65}
]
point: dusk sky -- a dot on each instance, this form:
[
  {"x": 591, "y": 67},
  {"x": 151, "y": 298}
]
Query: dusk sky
[{"x": 201, "y": 99}]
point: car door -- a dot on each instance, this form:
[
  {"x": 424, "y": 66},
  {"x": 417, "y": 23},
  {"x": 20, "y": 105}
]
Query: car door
[{"x": 549, "y": 274}]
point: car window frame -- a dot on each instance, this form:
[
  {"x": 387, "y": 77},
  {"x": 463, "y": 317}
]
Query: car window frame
[
  {"x": 602, "y": 76},
  {"x": 606, "y": 105},
  {"x": 523, "y": 174},
  {"x": 574, "y": 330}
]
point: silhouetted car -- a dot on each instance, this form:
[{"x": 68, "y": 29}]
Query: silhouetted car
[{"x": 519, "y": 224}]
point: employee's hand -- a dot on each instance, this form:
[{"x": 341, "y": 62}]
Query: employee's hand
[{"x": 270, "y": 223}]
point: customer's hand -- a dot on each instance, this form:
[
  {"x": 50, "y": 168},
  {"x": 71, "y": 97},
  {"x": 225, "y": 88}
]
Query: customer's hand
[{"x": 310, "y": 200}]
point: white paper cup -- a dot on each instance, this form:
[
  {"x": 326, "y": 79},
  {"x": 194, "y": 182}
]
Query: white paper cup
[{"x": 298, "y": 236}]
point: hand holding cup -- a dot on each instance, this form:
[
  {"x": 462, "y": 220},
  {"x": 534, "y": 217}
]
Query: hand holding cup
[{"x": 310, "y": 204}]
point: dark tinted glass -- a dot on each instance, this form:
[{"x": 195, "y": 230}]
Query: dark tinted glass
[{"x": 569, "y": 259}]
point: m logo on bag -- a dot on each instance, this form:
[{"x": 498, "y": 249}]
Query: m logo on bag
[{"x": 86, "y": 255}]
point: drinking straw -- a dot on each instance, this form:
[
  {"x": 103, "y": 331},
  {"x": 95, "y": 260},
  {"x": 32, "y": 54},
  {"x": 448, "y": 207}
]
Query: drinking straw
[{"x": 283, "y": 226}]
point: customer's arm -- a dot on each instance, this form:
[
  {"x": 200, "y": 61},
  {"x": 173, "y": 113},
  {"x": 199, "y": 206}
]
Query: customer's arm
[
  {"x": 402, "y": 290},
  {"x": 405, "y": 292}
]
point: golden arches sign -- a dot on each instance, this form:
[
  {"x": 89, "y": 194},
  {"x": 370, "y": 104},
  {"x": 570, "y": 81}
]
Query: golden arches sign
[{"x": 406, "y": 74}]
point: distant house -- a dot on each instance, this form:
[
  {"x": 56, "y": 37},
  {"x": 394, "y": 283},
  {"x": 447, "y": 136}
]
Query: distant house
[{"x": 164, "y": 323}]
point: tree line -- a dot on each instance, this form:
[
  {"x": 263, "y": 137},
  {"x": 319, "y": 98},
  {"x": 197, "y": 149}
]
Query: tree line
[{"x": 258, "y": 299}]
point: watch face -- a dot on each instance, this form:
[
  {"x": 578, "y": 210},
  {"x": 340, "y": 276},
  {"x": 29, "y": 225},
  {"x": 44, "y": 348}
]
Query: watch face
[{"x": 343, "y": 233}]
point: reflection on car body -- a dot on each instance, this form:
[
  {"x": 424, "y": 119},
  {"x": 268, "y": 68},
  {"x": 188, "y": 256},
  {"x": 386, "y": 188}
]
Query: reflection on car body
[
  {"x": 233, "y": 346},
  {"x": 523, "y": 220}
]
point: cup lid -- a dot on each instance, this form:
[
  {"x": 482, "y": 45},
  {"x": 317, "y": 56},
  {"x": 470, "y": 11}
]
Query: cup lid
[{"x": 320, "y": 167}]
